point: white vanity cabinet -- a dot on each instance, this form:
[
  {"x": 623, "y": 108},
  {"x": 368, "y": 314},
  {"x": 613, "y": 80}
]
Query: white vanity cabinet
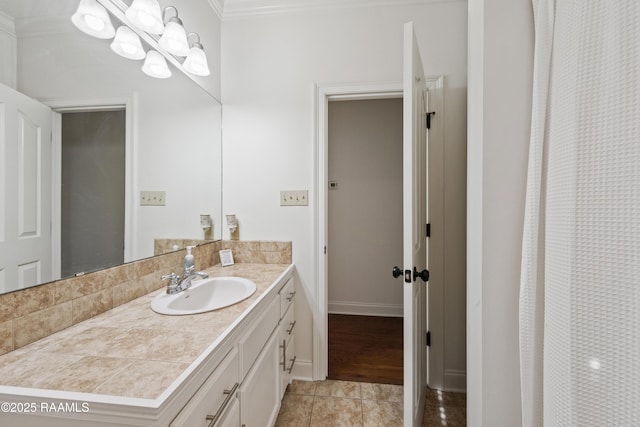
[
  {"x": 237, "y": 381},
  {"x": 286, "y": 341},
  {"x": 244, "y": 390}
]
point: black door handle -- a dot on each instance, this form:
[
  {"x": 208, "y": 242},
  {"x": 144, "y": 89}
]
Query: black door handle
[
  {"x": 396, "y": 272},
  {"x": 424, "y": 274}
]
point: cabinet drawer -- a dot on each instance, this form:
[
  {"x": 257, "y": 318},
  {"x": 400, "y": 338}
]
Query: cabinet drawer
[
  {"x": 215, "y": 395},
  {"x": 253, "y": 342},
  {"x": 288, "y": 324},
  {"x": 287, "y": 293}
]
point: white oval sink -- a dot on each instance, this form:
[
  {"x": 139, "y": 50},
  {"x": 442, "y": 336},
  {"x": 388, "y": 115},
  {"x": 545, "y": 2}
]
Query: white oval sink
[{"x": 205, "y": 295}]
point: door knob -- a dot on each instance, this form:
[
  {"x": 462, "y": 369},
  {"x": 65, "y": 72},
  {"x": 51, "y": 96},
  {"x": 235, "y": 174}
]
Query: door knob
[
  {"x": 424, "y": 274},
  {"x": 396, "y": 272}
]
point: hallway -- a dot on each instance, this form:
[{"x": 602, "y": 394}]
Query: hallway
[{"x": 365, "y": 348}]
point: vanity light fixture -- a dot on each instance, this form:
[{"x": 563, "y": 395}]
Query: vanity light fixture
[
  {"x": 196, "y": 61},
  {"x": 144, "y": 20},
  {"x": 174, "y": 37},
  {"x": 156, "y": 66},
  {"x": 146, "y": 15},
  {"x": 92, "y": 18},
  {"x": 127, "y": 44}
]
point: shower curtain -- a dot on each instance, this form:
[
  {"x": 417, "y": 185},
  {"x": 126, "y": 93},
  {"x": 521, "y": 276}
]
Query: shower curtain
[{"x": 580, "y": 280}]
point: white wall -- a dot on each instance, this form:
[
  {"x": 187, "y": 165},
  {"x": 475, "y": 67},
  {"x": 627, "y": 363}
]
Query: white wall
[
  {"x": 269, "y": 66},
  {"x": 499, "y": 108},
  {"x": 8, "y": 51},
  {"x": 365, "y": 211}
]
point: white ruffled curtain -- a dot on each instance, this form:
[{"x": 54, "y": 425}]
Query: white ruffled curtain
[{"x": 580, "y": 281}]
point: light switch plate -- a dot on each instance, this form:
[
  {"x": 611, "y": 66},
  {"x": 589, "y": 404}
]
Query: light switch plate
[
  {"x": 152, "y": 198},
  {"x": 294, "y": 198}
]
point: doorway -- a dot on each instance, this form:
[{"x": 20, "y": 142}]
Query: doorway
[
  {"x": 324, "y": 96},
  {"x": 364, "y": 238},
  {"x": 93, "y": 190}
]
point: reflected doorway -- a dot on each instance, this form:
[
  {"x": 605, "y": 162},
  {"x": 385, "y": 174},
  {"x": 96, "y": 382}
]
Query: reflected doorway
[{"x": 92, "y": 190}]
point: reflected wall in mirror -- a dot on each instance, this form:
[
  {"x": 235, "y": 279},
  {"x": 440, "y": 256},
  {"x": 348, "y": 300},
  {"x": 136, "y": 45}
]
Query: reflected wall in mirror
[{"x": 50, "y": 70}]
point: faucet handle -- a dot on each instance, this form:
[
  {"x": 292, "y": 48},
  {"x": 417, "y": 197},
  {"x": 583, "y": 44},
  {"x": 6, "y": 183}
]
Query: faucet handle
[
  {"x": 174, "y": 282},
  {"x": 171, "y": 276}
]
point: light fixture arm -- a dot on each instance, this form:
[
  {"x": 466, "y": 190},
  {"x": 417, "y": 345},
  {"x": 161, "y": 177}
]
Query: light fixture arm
[
  {"x": 195, "y": 43},
  {"x": 175, "y": 18}
]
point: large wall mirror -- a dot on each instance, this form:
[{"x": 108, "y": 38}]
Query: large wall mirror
[{"x": 102, "y": 200}]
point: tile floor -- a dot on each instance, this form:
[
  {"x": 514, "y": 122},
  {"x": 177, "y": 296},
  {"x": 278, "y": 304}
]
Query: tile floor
[{"x": 345, "y": 403}]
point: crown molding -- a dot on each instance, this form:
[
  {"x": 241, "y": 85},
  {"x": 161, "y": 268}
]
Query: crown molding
[
  {"x": 241, "y": 8},
  {"x": 43, "y": 26},
  {"x": 7, "y": 24},
  {"x": 217, "y": 6}
]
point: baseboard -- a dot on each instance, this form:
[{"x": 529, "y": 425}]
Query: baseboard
[
  {"x": 365, "y": 309},
  {"x": 302, "y": 370},
  {"x": 455, "y": 380}
]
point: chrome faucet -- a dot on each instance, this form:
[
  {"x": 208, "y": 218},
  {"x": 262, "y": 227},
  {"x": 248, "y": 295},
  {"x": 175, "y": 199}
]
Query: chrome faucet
[{"x": 178, "y": 284}]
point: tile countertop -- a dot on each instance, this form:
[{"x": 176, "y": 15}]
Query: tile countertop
[{"x": 130, "y": 351}]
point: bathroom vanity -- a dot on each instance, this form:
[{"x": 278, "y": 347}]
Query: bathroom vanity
[{"x": 131, "y": 366}]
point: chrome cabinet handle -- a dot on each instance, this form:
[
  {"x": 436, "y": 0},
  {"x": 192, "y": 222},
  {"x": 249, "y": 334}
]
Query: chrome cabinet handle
[
  {"x": 291, "y": 295},
  {"x": 293, "y": 362},
  {"x": 283, "y": 346},
  {"x": 223, "y": 407},
  {"x": 293, "y": 325}
]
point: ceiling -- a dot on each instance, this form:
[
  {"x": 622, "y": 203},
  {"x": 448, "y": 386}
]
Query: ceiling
[{"x": 24, "y": 9}]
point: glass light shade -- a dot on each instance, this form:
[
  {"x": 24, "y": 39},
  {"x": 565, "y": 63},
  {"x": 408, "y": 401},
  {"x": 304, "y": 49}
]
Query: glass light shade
[
  {"x": 92, "y": 18},
  {"x": 174, "y": 39},
  {"x": 146, "y": 15},
  {"x": 156, "y": 66},
  {"x": 196, "y": 62},
  {"x": 127, "y": 44}
]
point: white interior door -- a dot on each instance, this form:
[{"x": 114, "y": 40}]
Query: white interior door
[
  {"x": 25, "y": 191},
  {"x": 415, "y": 248}
]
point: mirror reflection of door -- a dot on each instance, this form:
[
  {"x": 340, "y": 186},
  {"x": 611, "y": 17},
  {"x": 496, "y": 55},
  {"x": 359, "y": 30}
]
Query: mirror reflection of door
[
  {"x": 93, "y": 190},
  {"x": 25, "y": 193}
]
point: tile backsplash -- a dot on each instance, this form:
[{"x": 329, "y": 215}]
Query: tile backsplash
[{"x": 31, "y": 314}]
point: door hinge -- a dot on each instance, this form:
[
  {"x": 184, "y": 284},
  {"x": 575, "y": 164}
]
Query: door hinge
[
  {"x": 325, "y": 250},
  {"x": 428, "y": 231},
  {"x": 428, "y": 338},
  {"x": 429, "y": 114}
]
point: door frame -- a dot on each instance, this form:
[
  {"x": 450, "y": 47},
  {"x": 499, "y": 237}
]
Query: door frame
[
  {"x": 63, "y": 105},
  {"x": 323, "y": 93}
]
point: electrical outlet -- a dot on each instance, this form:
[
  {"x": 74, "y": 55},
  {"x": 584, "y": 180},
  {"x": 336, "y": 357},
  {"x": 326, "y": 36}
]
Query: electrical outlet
[
  {"x": 152, "y": 198},
  {"x": 294, "y": 198}
]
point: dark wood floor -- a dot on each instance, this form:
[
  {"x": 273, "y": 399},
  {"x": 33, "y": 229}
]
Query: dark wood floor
[{"x": 365, "y": 348}]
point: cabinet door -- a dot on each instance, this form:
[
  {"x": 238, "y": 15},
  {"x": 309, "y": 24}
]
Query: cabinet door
[{"x": 259, "y": 393}]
